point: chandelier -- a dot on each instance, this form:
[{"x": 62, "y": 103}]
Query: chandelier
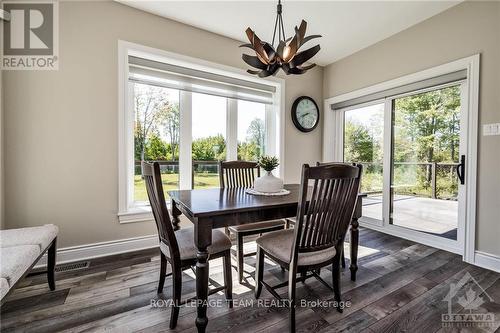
[{"x": 269, "y": 59}]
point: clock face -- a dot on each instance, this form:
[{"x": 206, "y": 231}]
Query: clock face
[{"x": 306, "y": 114}]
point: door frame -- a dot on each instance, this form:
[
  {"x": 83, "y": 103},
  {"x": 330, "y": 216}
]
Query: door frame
[{"x": 333, "y": 151}]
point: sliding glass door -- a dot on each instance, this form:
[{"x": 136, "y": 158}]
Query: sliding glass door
[
  {"x": 411, "y": 146},
  {"x": 425, "y": 154}
]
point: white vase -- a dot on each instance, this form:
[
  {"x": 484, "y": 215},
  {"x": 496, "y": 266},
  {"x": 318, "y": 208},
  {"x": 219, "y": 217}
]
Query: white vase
[{"x": 268, "y": 183}]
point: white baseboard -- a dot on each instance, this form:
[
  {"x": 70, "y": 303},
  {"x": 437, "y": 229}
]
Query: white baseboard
[
  {"x": 487, "y": 260},
  {"x": 96, "y": 250}
]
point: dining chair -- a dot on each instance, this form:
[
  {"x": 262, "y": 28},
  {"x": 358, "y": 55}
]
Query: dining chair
[
  {"x": 177, "y": 247},
  {"x": 343, "y": 253},
  {"x": 242, "y": 174},
  {"x": 324, "y": 213}
]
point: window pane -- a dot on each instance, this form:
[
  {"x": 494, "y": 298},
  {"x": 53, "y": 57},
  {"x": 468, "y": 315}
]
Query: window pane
[
  {"x": 209, "y": 138},
  {"x": 363, "y": 143},
  {"x": 156, "y": 135},
  {"x": 424, "y": 185},
  {"x": 251, "y": 130}
]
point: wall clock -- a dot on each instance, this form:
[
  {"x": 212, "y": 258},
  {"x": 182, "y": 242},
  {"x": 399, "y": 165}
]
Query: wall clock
[{"x": 305, "y": 114}]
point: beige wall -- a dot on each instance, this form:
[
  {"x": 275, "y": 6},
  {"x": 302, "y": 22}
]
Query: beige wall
[
  {"x": 61, "y": 139},
  {"x": 464, "y": 30}
]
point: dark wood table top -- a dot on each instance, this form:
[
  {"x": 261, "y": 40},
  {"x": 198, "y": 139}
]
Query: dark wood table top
[{"x": 218, "y": 201}]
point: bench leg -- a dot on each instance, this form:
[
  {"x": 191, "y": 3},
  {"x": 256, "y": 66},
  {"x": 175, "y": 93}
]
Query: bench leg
[{"x": 51, "y": 264}]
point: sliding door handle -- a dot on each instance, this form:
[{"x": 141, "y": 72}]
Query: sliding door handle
[{"x": 461, "y": 170}]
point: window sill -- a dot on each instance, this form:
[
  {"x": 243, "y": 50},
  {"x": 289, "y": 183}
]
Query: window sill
[
  {"x": 139, "y": 213},
  {"x": 136, "y": 214}
]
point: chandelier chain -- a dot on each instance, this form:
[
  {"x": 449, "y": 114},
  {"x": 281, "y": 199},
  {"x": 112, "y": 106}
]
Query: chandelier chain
[{"x": 278, "y": 24}]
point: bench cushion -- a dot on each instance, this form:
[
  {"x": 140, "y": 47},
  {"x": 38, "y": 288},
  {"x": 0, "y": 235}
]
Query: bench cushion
[
  {"x": 16, "y": 260},
  {"x": 4, "y": 287},
  {"x": 41, "y": 236}
]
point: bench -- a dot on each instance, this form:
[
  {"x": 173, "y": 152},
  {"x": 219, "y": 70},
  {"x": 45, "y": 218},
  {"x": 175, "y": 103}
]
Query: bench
[{"x": 20, "y": 250}]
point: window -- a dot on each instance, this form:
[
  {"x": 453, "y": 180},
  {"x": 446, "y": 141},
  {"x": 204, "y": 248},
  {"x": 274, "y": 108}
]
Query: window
[
  {"x": 209, "y": 139},
  {"x": 251, "y": 130},
  {"x": 364, "y": 144},
  {"x": 187, "y": 116},
  {"x": 156, "y": 135}
]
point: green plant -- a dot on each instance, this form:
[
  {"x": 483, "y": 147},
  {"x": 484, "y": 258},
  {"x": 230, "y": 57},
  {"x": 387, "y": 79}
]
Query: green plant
[{"x": 269, "y": 163}]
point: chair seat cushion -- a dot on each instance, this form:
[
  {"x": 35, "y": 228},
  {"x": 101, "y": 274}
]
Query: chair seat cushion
[
  {"x": 259, "y": 226},
  {"x": 41, "y": 236},
  {"x": 187, "y": 249},
  {"x": 279, "y": 245},
  {"x": 16, "y": 260}
]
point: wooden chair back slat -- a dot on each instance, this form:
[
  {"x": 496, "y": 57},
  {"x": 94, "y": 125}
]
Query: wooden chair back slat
[
  {"x": 154, "y": 188},
  {"x": 238, "y": 174},
  {"x": 323, "y": 220}
]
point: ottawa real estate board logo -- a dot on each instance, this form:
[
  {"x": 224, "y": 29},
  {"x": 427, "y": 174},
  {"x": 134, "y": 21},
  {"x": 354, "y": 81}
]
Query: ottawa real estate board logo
[
  {"x": 30, "y": 39},
  {"x": 468, "y": 307}
]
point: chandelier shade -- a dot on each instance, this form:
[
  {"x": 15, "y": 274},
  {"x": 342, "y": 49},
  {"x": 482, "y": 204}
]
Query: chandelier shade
[{"x": 268, "y": 59}]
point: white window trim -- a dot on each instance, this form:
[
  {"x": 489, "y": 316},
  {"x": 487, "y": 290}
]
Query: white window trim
[
  {"x": 232, "y": 129},
  {"x": 333, "y": 148},
  {"x": 127, "y": 211}
]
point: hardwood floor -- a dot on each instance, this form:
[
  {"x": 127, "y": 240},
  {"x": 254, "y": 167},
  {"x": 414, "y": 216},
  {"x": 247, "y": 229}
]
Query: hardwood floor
[{"x": 401, "y": 286}]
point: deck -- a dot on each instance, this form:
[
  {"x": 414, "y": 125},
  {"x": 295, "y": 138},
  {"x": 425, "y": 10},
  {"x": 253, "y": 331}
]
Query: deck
[{"x": 428, "y": 215}]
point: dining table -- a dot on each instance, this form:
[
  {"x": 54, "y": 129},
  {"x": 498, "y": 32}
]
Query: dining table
[{"x": 214, "y": 208}]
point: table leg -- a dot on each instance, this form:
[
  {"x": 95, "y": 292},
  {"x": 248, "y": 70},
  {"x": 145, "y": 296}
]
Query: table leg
[
  {"x": 175, "y": 216},
  {"x": 354, "y": 248},
  {"x": 203, "y": 238}
]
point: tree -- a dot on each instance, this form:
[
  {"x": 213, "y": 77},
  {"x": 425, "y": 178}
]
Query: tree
[
  {"x": 172, "y": 128},
  {"x": 359, "y": 145},
  {"x": 211, "y": 148},
  {"x": 151, "y": 109},
  {"x": 427, "y": 128},
  {"x": 254, "y": 146},
  {"x": 248, "y": 151},
  {"x": 256, "y": 132},
  {"x": 156, "y": 148}
]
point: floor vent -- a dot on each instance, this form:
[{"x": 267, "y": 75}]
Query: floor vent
[{"x": 72, "y": 266}]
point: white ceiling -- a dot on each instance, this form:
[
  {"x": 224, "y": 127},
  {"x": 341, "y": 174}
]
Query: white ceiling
[{"x": 346, "y": 26}]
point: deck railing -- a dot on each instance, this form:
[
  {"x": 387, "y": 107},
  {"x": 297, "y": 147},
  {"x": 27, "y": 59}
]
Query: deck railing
[
  {"x": 173, "y": 166},
  {"x": 432, "y": 170}
]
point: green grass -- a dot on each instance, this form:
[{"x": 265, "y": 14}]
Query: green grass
[{"x": 171, "y": 182}]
